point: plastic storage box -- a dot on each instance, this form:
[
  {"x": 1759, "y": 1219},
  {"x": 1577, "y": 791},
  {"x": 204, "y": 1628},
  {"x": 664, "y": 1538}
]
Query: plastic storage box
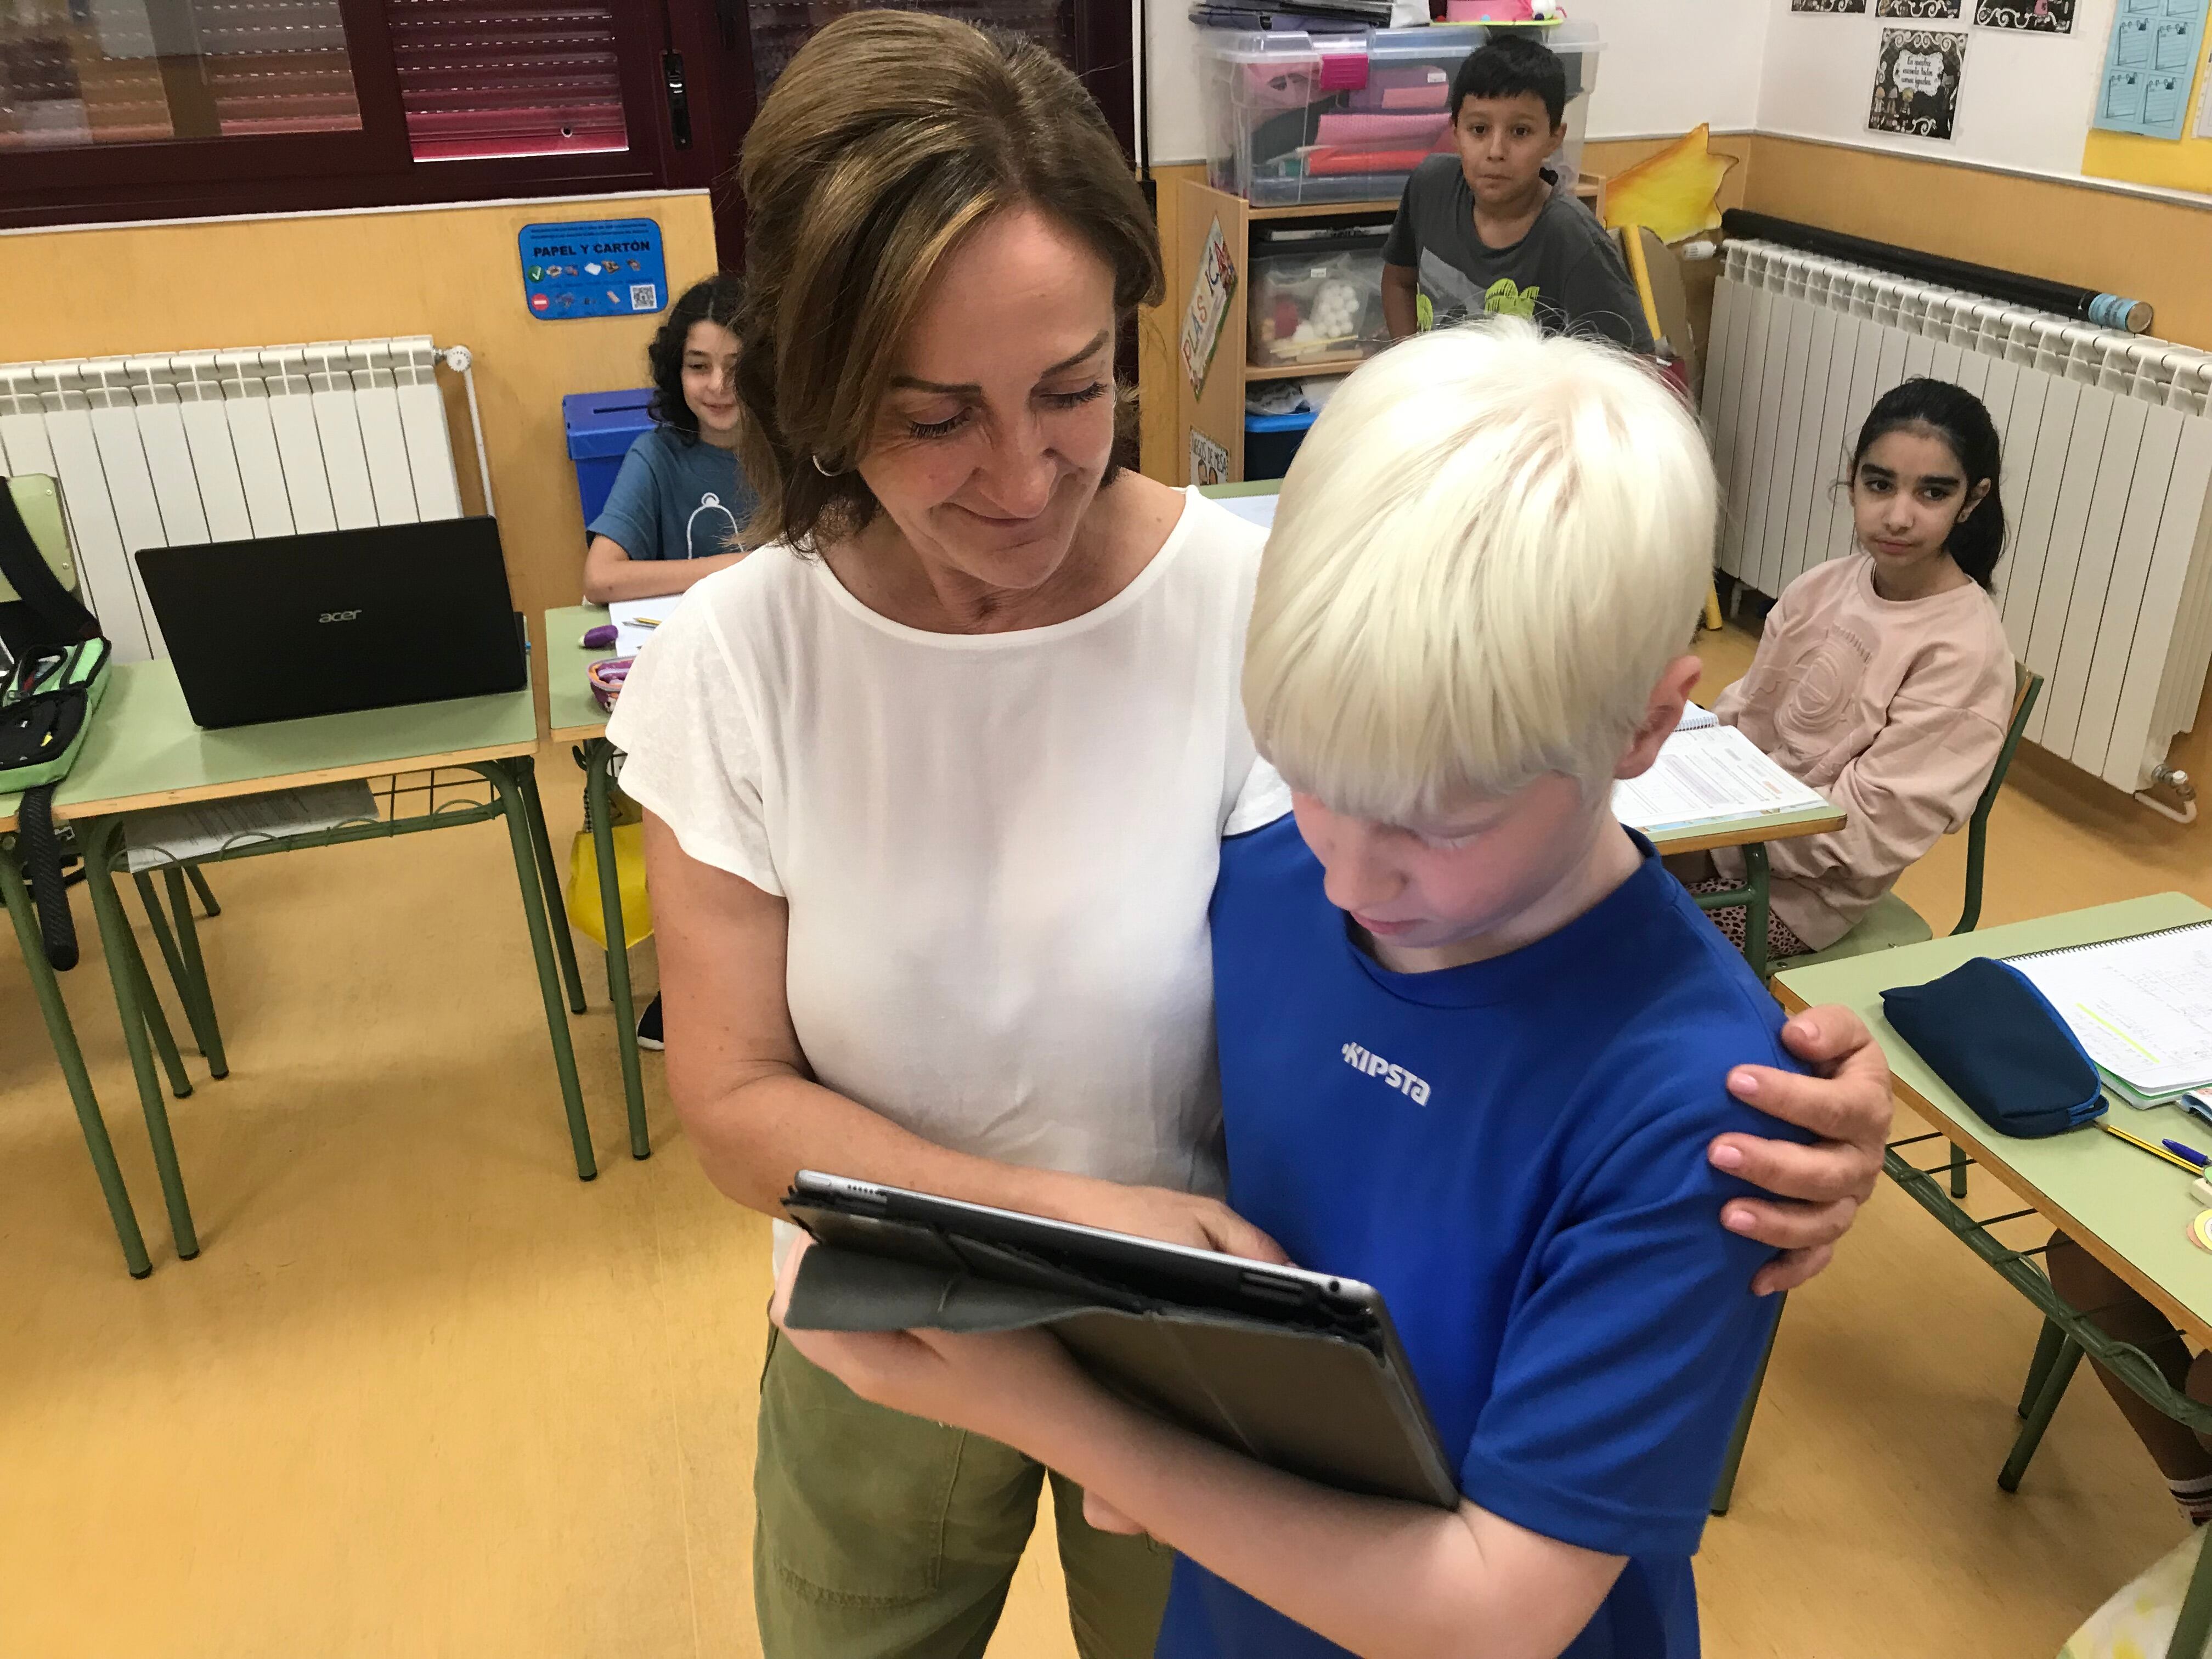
[
  {"x": 1294, "y": 117},
  {"x": 1271, "y": 441},
  {"x": 1316, "y": 290},
  {"x": 601, "y": 427}
]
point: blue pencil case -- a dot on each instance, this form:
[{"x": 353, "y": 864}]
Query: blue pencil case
[{"x": 1987, "y": 1032}]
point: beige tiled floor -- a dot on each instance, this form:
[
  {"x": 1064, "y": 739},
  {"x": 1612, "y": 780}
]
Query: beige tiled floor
[{"x": 425, "y": 1394}]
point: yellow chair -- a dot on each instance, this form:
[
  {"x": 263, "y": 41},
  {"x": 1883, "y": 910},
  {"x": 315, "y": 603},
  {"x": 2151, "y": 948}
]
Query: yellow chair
[{"x": 1632, "y": 250}]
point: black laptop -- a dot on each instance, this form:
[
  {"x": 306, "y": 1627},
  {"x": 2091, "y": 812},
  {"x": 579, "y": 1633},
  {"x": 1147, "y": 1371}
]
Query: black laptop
[{"x": 288, "y": 626}]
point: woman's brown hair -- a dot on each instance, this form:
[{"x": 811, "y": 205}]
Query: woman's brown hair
[{"x": 891, "y": 137}]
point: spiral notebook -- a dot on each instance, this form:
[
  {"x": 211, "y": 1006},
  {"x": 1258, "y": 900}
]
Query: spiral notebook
[{"x": 2141, "y": 1007}]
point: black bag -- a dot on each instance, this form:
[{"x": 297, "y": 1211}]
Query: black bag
[
  {"x": 1987, "y": 1032},
  {"x": 57, "y": 673}
]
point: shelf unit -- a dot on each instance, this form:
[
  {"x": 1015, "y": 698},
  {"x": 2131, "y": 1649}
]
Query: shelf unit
[{"x": 1217, "y": 407}]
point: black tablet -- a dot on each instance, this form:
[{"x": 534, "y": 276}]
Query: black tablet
[{"x": 1301, "y": 1369}]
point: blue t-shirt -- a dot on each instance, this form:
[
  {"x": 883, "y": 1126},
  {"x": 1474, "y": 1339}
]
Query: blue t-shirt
[
  {"x": 1513, "y": 1153},
  {"x": 675, "y": 499}
]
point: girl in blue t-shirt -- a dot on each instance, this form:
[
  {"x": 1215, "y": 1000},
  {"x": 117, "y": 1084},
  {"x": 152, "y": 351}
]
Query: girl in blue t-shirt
[{"x": 679, "y": 506}]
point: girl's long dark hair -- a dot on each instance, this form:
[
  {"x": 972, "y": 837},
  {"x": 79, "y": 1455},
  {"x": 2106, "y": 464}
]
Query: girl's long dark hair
[
  {"x": 1958, "y": 418},
  {"x": 716, "y": 299}
]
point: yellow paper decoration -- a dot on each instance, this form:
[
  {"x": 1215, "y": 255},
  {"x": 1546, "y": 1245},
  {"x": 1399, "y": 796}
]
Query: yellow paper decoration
[{"x": 1676, "y": 193}]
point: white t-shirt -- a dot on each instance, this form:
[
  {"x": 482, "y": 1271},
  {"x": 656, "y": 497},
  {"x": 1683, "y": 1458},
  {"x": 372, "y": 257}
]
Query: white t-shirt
[{"x": 998, "y": 848}]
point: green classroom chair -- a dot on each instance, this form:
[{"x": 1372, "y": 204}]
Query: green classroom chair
[{"x": 1891, "y": 922}]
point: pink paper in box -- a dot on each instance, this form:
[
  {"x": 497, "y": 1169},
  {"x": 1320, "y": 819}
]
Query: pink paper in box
[{"x": 1400, "y": 131}]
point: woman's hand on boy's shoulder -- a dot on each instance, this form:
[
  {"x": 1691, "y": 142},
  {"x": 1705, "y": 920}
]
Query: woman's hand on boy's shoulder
[{"x": 1819, "y": 1186}]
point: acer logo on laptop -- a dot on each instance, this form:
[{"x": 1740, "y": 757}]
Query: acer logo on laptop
[{"x": 338, "y": 615}]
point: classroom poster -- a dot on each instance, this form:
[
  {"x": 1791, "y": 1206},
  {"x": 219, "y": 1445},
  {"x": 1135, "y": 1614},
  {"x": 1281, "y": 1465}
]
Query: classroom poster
[
  {"x": 1936, "y": 8},
  {"x": 2150, "y": 63},
  {"x": 1210, "y": 293},
  {"x": 2028, "y": 16},
  {"x": 1828, "y": 5},
  {"x": 1916, "y": 83},
  {"x": 592, "y": 267},
  {"x": 1209, "y": 461}
]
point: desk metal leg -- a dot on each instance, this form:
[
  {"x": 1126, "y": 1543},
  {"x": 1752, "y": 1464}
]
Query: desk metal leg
[
  {"x": 598, "y": 808},
  {"x": 207, "y": 894},
  {"x": 155, "y": 1018},
  {"x": 1754, "y": 920},
  {"x": 142, "y": 1012},
  {"x": 1724, "y": 1488},
  {"x": 2047, "y": 1345},
  {"x": 64, "y": 1036},
  {"x": 196, "y": 982},
  {"x": 549, "y": 879},
  {"x": 506, "y": 778},
  {"x": 186, "y": 970},
  {"x": 2039, "y": 1415}
]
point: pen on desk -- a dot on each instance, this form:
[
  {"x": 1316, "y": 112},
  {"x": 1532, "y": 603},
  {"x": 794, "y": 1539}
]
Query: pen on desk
[
  {"x": 2156, "y": 1151},
  {"x": 2182, "y": 1149}
]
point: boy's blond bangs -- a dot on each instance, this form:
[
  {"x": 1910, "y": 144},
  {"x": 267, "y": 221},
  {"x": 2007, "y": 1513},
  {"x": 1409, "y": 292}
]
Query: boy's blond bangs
[{"x": 1488, "y": 549}]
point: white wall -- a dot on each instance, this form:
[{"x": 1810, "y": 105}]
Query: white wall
[
  {"x": 1667, "y": 65},
  {"x": 1670, "y": 64},
  {"x": 2024, "y": 100}
]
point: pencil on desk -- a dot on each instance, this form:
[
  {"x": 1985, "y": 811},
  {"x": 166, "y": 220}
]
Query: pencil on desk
[{"x": 2156, "y": 1151}]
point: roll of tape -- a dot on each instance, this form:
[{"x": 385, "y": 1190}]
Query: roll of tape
[{"x": 2115, "y": 310}]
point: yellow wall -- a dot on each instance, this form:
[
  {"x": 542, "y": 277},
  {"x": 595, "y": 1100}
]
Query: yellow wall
[
  {"x": 452, "y": 274},
  {"x": 2146, "y": 248}
]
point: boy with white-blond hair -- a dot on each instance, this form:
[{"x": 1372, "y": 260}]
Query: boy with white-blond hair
[{"x": 1471, "y": 1034}]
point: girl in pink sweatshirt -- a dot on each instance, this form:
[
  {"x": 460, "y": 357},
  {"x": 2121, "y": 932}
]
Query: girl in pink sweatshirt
[{"x": 1884, "y": 678}]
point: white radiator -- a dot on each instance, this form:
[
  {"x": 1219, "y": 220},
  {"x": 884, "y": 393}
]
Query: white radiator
[
  {"x": 227, "y": 445},
  {"x": 2106, "y": 582}
]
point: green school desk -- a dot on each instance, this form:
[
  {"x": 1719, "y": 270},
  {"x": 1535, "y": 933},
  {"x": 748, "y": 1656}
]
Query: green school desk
[
  {"x": 2126, "y": 1208},
  {"x": 145, "y": 751}
]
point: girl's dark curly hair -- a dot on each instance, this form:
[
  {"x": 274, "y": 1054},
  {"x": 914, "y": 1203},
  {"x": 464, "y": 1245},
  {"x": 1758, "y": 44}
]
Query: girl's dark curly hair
[{"x": 717, "y": 300}]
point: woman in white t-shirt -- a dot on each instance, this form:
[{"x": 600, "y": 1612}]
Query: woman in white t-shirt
[{"x": 935, "y": 785}]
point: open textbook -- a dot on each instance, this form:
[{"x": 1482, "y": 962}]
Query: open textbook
[
  {"x": 1706, "y": 773},
  {"x": 2141, "y": 1007}
]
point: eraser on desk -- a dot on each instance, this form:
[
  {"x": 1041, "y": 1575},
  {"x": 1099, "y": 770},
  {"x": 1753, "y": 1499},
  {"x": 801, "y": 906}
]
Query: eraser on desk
[
  {"x": 599, "y": 638},
  {"x": 2201, "y": 1190}
]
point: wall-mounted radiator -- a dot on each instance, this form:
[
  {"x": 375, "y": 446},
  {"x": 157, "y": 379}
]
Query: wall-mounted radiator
[
  {"x": 2106, "y": 584},
  {"x": 227, "y": 445}
]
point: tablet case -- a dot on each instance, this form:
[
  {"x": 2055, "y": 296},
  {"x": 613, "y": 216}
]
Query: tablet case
[
  {"x": 1986, "y": 1031},
  {"x": 1314, "y": 1401}
]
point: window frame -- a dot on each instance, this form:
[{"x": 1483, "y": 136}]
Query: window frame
[{"x": 285, "y": 173}]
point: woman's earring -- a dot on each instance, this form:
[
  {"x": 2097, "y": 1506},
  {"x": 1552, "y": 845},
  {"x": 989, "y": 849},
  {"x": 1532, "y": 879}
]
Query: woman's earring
[{"x": 828, "y": 472}]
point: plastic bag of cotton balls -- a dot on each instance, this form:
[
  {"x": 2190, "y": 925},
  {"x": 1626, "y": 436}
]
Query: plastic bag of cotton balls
[{"x": 1336, "y": 310}]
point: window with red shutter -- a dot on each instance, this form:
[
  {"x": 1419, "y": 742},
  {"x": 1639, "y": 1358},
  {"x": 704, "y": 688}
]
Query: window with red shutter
[
  {"x": 80, "y": 73},
  {"x": 479, "y": 79}
]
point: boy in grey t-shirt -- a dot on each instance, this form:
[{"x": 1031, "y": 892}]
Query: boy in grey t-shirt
[{"x": 1490, "y": 230}]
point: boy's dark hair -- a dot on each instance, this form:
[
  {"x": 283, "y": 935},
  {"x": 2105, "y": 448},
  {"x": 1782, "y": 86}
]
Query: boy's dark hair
[
  {"x": 1959, "y": 418},
  {"x": 1507, "y": 65},
  {"x": 716, "y": 299}
]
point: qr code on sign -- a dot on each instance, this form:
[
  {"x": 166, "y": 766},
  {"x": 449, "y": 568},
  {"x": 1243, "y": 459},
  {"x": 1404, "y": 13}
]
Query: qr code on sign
[{"x": 644, "y": 296}]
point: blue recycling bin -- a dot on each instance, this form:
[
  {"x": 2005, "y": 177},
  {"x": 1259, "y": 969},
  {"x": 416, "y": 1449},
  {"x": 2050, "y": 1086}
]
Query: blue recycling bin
[{"x": 601, "y": 427}]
